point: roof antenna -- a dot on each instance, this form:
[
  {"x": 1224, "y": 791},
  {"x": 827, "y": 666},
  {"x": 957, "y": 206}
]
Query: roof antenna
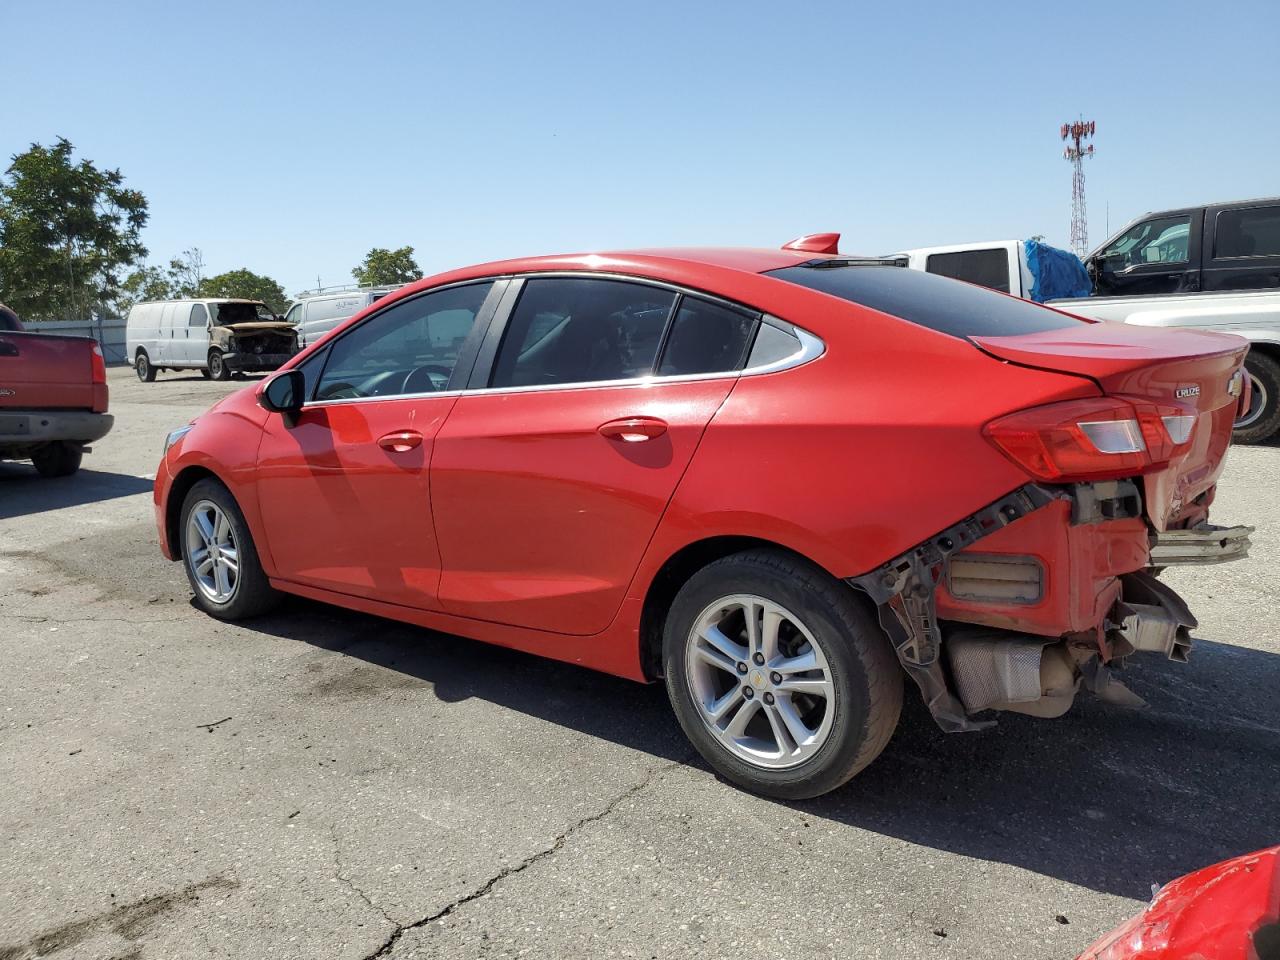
[{"x": 815, "y": 243}]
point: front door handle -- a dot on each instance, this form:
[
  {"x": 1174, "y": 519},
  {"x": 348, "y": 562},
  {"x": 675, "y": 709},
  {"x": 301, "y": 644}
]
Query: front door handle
[
  {"x": 633, "y": 429},
  {"x": 401, "y": 442}
]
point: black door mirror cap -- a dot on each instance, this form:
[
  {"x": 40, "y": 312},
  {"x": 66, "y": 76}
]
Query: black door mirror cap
[{"x": 283, "y": 393}]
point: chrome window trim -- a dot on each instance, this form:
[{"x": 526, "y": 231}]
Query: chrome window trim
[{"x": 811, "y": 346}]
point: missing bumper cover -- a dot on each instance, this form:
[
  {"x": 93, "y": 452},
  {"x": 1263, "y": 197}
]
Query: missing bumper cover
[{"x": 903, "y": 591}]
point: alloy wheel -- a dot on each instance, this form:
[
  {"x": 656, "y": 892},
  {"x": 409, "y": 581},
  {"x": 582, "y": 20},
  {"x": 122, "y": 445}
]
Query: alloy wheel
[
  {"x": 1257, "y": 403},
  {"x": 760, "y": 681},
  {"x": 212, "y": 551}
]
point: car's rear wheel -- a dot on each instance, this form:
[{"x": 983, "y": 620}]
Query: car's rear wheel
[
  {"x": 779, "y": 675},
  {"x": 219, "y": 556},
  {"x": 143, "y": 368},
  {"x": 1262, "y": 420},
  {"x": 218, "y": 369},
  {"x": 58, "y": 459}
]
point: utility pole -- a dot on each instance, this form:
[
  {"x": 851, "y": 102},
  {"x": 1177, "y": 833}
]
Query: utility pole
[{"x": 1076, "y": 151}]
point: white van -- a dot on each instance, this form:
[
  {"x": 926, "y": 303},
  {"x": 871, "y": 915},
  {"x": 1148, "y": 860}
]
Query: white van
[
  {"x": 215, "y": 336},
  {"x": 316, "y": 314}
]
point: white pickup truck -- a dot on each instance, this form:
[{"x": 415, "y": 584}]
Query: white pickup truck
[{"x": 1172, "y": 269}]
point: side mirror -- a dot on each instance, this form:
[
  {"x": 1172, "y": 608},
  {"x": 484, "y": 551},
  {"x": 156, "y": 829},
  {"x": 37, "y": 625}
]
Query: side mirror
[{"x": 284, "y": 393}]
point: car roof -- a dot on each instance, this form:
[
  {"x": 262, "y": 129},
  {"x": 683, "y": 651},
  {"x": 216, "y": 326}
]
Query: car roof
[{"x": 685, "y": 263}]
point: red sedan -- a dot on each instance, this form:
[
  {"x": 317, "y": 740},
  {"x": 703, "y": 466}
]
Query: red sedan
[{"x": 780, "y": 480}]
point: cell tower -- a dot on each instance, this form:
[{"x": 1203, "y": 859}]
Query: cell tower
[{"x": 1076, "y": 152}]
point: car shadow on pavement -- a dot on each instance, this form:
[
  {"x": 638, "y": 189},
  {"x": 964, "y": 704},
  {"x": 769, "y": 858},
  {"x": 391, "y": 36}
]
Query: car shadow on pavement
[
  {"x": 23, "y": 491},
  {"x": 1112, "y": 799}
]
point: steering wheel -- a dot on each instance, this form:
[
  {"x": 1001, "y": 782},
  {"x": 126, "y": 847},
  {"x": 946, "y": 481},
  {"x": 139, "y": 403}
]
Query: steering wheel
[
  {"x": 339, "y": 391},
  {"x": 428, "y": 377}
]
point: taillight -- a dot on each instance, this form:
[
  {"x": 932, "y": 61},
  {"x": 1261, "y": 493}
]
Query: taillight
[
  {"x": 98, "y": 366},
  {"x": 1102, "y": 439}
]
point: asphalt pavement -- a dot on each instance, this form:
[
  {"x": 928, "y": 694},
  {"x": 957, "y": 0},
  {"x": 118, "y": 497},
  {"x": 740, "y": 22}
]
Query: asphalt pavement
[{"x": 324, "y": 784}]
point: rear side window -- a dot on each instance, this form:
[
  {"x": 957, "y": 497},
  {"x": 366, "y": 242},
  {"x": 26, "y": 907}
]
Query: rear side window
[
  {"x": 1248, "y": 233},
  {"x": 706, "y": 338},
  {"x": 938, "y": 303},
  {"x": 986, "y": 268},
  {"x": 581, "y": 330}
]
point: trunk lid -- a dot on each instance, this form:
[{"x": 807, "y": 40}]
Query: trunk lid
[
  {"x": 46, "y": 371},
  {"x": 1190, "y": 369}
]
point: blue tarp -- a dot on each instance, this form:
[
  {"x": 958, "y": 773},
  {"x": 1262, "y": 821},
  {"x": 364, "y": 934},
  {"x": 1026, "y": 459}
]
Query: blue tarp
[{"x": 1055, "y": 273}]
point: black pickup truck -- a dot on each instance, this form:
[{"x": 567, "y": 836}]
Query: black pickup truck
[{"x": 1224, "y": 246}]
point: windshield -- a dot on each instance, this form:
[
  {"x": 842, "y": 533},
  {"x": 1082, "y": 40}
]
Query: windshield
[
  {"x": 246, "y": 312},
  {"x": 948, "y": 306}
]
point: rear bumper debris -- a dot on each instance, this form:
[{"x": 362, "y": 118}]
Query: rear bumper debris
[{"x": 1202, "y": 544}]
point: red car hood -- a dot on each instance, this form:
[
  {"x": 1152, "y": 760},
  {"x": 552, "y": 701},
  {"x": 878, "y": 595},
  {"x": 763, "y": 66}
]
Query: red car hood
[{"x": 1188, "y": 369}]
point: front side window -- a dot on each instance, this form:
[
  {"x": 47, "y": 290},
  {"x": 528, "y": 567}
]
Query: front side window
[
  {"x": 411, "y": 347},
  {"x": 986, "y": 268},
  {"x": 294, "y": 315},
  {"x": 1161, "y": 240},
  {"x": 582, "y": 330},
  {"x": 706, "y": 338},
  {"x": 199, "y": 316},
  {"x": 1248, "y": 233}
]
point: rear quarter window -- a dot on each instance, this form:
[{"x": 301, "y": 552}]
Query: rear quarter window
[{"x": 948, "y": 306}]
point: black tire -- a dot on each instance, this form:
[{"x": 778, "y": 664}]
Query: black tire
[
  {"x": 1264, "y": 370},
  {"x": 204, "y": 372},
  {"x": 252, "y": 595},
  {"x": 58, "y": 459},
  {"x": 865, "y": 674},
  {"x": 218, "y": 369},
  {"x": 143, "y": 368}
]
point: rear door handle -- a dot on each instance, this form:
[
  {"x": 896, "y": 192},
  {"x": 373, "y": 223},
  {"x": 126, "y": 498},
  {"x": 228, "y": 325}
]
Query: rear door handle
[
  {"x": 8, "y": 349},
  {"x": 633, "y": 429},
  {"x": 401, "y": 442}
]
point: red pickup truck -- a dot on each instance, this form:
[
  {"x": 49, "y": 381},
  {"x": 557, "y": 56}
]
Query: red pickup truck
[{"x": 53, "y": 397}]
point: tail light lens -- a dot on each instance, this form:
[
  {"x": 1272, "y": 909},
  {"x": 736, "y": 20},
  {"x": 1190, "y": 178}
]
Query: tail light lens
[
  {"x": 98, "y": 366},
  {"x": 1102, "y": 439}
]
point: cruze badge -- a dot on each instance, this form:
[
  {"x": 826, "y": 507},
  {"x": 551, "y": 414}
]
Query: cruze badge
[
  {"x": 6, "y": 392},
  {"x": 1183, "y": 392}
]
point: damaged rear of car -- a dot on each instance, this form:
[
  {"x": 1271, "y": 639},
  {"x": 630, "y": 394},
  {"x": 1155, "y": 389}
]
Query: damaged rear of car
[{"x": 1047, "y": 589}]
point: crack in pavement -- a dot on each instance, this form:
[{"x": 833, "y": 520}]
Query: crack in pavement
[
  {"x": 556, "y": 846},
  {"x": 347, "y": 881}
]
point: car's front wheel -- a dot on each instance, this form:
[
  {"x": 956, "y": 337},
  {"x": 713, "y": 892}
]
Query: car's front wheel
[
  {"x": 219, "y": 555},
  {"x": 779, "y": 675},
  {"x": 218, "y": 369}
]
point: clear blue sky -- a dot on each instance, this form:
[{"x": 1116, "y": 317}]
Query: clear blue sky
[{"x": 291, "y": 138}]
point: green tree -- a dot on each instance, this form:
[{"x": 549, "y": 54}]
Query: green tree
[
  {"x": 383, "y": 266},
  {"x": 142, "y": 285},
  {"x": 67, "y": 232},
  {"x": 247, "y": 285},
  {"x": 186, "y": 274}
]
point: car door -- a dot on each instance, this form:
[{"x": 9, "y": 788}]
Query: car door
[
  {"x": 194, "y": 349},
  {"x": 343, "y": 489},
  {"x": 1155, "y": 256},
  {"x": 548, "y": 479},
  {"x": 1246, "y": 248}
]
